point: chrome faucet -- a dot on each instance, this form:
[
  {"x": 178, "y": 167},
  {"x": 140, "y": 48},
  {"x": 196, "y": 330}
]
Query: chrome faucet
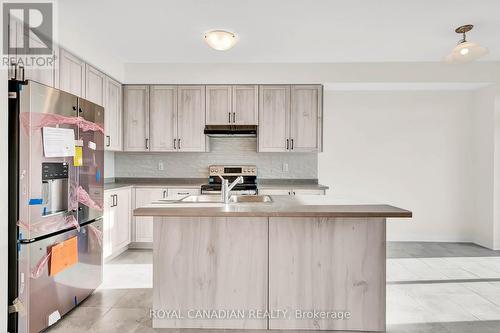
[{"x": 226, "y": 188}]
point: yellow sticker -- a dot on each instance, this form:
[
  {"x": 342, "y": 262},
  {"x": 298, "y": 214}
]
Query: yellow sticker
[{"x": 78, "y": 158}]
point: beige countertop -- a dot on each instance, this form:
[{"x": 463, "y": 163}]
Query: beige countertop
[
  {"x": 197, "y": 182},
  {"x": 285, "y": 206}
]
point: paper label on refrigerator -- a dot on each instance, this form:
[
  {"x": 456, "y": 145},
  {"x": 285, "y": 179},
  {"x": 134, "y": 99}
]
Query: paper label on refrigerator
[
  {"x": 63, "y": 255},
  {"x": 92, "y": 145},
  {"x": 78, "y": 158},
  {"x": 58, "y": 142}
]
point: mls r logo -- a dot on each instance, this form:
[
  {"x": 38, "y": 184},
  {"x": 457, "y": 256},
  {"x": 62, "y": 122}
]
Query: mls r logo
[{"x": 32, "y": 23}]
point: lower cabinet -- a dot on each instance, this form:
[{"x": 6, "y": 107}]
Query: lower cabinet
[
  {"x": 144, "y": 196},
  {"x": 292, "y": 191},
  {"x": 117, "y": 220}
]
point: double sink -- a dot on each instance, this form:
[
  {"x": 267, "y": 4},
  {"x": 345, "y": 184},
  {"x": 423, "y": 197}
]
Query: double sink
[{"x": 232, "y": 199}]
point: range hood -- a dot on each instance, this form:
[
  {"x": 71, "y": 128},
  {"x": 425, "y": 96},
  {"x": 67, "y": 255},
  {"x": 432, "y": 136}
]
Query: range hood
[{"x": 231, "y": 130}]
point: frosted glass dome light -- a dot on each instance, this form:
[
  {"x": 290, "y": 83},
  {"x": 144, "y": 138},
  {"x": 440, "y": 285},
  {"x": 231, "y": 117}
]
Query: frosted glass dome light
[
  {"x": 465, "y": 51},
  {"x": 220, "y": 40}
]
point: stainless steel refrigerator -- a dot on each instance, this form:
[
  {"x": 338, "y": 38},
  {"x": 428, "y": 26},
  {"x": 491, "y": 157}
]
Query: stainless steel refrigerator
[{"x": 56, "y": 165}]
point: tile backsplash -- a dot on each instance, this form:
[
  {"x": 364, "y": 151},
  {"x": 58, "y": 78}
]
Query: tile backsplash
[{"x": 228, "y": 151}]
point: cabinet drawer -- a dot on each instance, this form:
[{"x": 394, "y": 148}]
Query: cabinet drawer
[{"x": 179, "y": 193}]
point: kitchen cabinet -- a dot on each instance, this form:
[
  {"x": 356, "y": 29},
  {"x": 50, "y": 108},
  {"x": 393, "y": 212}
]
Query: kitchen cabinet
[
  {"x": 136, "y": 117},
  {"x": 290, "y": 118},
  {"x": 94, "y": 85},
  {"x": 71, "y": 74},
  {"x": 163, "y": 118},
  {"x": 274, "y": 118},
  {"x": 117, "y": 221},
  {"x": 292, "y": 191},
  {"x": 190, "y": 118},
  {"x": 306, "y": 118},
  {"x": 113, "y": 115},
  {"x": 245, "y": 104},
  {"x": 218, "y": 105},
  {"x": 144, "y": 225},
  {"x": 232, "y": 105}
]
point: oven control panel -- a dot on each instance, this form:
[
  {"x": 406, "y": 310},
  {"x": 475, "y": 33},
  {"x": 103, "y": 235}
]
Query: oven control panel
[{"x": 233, "y": 170}]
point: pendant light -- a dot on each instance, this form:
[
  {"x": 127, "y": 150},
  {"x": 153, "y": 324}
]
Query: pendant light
[
  {"x": 220, "y": 40},
  {"x": 465, "y": 51}
]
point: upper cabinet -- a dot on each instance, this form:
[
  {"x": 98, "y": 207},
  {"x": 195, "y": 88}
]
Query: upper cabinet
[
  {"x": 231, "y": 105},
  {"x": 190, "y": 118},
  {"x": 274, "y": 118},
  {"x": 71, "y": 73},
  {"x": 94, "y": 85},
  {"x": 136, "y": 118},
  {"x": 290, "y": 118},
  {"x": 218, "y": 105},
  {"x": 306, "y": 118},
  {"x": 113, "y": 114},
  {"x": 245, "y": 104},
  {"x": 164, "y": 118}
]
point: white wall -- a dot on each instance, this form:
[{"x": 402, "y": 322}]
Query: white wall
[{"x": 409, "y": 149}]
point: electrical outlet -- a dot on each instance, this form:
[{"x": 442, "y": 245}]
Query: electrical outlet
[
  {"x": 285, "y": 167},
  {"x": 160, "y": 166}
]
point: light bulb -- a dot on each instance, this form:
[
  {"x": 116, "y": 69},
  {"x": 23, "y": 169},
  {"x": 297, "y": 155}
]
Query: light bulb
[{"x": 464, "y": 51}]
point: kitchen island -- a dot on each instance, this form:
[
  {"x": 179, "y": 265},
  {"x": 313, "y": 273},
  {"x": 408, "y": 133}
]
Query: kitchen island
[{"x": 293, "y": 263}]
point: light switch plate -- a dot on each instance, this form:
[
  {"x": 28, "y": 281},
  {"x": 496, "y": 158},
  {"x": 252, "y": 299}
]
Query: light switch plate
[
  {"x": 285, "y": 167},
  {"x": 161, "y": 166}
]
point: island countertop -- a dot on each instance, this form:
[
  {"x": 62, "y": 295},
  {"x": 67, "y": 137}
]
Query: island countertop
[{"x": 281, "y": 206}]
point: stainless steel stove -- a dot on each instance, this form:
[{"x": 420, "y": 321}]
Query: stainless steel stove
[{"x": 231, "y": 172}]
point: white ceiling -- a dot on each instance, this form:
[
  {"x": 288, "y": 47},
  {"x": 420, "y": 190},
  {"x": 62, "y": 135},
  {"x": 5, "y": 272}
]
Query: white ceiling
[{"x": 277, "y": 31}]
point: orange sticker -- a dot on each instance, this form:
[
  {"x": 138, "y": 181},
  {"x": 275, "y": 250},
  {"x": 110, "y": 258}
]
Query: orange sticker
[{"x": 63, "y": 255}]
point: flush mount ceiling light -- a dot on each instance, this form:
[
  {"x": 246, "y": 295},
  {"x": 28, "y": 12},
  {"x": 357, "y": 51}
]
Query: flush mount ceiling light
[
  {"x": 465, "y": 51},
  {"x": 221, "y": 40}
]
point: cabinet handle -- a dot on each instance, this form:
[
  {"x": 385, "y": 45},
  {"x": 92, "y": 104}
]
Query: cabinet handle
[
  {"x": 287, "y": 144},
  {"x": 291, "y": 146},
  {"x": 179, "y": 141},
  {"x": 164, "y": 194},
  {"x": 116, "y": 196},
  {"x": 234, "y": 117},
  {"x": 174, "y": 143},
  {"x": 147, "y": 143},
  {"x": 108, "y": 141},
  {"x": 289, "y": 193},
  {"x": 293, "y": 192},
  {"x": 182, "y": 193},
  {"x": 229, "y": 117}
]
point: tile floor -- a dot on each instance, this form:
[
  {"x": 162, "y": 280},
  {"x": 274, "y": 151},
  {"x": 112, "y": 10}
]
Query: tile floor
[{"x": 431, "y": 287}]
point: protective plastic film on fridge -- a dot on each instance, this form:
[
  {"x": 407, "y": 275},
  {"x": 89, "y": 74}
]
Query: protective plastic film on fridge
[{"x": 56, "y": 164}]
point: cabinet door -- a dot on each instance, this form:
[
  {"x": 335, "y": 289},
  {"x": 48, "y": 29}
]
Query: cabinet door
[
  {"x": 108, "y": 223},
  {"x": 94, "y": 85},
  {"x": 113, "y": 115},
  {"x": 144, "y": 224},
  {"x": 136, "y": 118},
  {"x": 120, "y": 236},
  {"x": 305, "y": 118},
  {"x": 218, "y": 105},
  {"x": 71, "y": 73},
  {"x": 191, "y": 118},
  {"x": 274, "y": 118},
  {"x": 163, "y": 118},
  {"x": 245, "y": 104}
]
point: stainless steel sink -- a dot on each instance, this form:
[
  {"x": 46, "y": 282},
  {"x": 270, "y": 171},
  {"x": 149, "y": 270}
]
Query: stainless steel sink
[
  {"x": 250, "y": 198},
  {"x": 202, "y": 198}
]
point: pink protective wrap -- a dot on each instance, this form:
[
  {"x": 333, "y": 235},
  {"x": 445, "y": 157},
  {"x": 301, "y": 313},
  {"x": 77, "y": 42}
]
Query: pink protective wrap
[
  {"x": 84, "y": 198},
  {"x": 96, "y": 234},
  {"x": 50, "y": 225},
  {"x": 39, "y": 120},
  {"x": 36, "y": 272}
]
